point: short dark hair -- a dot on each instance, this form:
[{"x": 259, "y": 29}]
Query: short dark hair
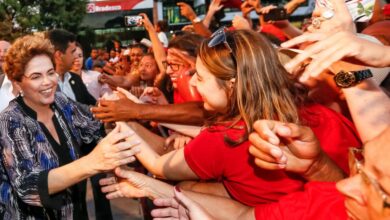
[
  {"x": 163, "y": 24},
  {"x": 60, "y": 39},
  {"x": 188, "y": 42}
]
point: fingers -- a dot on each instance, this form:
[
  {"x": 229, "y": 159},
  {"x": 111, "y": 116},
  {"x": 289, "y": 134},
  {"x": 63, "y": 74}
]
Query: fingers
[
  {"x": 115, "y": 136},
  {"x": 169, "y": 140},
  {"x": 127, "y": 159},
  {"x": 307, "y": 37},
  {"x": 184, "y": 200},
  {"x": 302, "y": 133},
  {"x": 165, "y": 213},
  {"x": 265, "y": 130},
  {"x": 108, "y": 181},
  {"x": 265, "y": 151},
  {"x": 166, "y": 202},
  {"x": 123, "y": 172}
]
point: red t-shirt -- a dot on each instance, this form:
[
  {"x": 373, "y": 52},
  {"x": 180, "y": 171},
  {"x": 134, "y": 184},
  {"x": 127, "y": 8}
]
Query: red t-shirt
[
  {"x": 335, "y": 132},
  {"x": 210, "y": 157},
  {"x": 319, "y": 201}
]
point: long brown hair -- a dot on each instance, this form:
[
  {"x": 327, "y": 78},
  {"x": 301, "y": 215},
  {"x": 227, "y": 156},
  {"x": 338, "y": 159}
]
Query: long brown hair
[{"x": 262, "y": 88}]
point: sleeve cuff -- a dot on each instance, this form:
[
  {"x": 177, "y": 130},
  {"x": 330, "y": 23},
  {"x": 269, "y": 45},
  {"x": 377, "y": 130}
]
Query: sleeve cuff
[{"x": 54, "y": 201}]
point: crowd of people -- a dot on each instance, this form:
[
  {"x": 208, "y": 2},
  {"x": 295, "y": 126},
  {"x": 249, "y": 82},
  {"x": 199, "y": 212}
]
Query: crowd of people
[{"x": 259, "y": 119}]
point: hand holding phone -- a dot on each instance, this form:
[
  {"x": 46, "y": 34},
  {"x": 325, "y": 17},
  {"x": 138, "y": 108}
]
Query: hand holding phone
[
  {"x": 276, "y": 14},
  {"x": 133, "y": 20}
]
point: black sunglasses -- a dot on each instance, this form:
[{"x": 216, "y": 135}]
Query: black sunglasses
[{"x": 219, "y": 37}]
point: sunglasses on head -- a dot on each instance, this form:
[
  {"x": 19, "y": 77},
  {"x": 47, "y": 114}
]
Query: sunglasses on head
[{"x": 218, "y": 37}]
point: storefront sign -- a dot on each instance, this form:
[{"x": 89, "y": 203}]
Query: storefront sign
[{"x": 108, "y": 6}]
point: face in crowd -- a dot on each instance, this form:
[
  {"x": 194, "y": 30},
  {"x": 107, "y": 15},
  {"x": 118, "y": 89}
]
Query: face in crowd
[
  {"x": 213, "y": 95},
  {"x": 175, "y": 66},
  {"x": 148, "y": 68},
  {"x": 79, "y": 59},
  {"x": 94, "y": 54},
  {"x": 367, "y": 190},
  {"x": 67, "y": 58},
  {"x": 136, "y": 54},
  {"x": 4, "y": 45}
]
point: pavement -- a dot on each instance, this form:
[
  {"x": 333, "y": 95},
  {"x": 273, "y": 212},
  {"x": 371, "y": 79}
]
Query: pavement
[{"x": 122, "y": 209}]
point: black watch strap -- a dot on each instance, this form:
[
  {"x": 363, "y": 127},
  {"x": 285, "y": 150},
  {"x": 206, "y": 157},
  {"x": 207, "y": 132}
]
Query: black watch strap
[{"x": 362, "y": 74}]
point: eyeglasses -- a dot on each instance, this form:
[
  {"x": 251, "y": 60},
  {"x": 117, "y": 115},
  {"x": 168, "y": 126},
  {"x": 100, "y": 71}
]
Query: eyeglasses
[
  {"x": 218, "y": 37},
  {"x": 356, "y": 164},
  {"x": 173, "y": 66}
]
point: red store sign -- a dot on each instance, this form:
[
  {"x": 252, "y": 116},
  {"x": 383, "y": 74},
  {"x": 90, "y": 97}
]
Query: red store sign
[{"x": 108, "y": 6}]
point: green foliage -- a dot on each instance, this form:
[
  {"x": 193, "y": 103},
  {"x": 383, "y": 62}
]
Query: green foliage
[{"x": 18, "y": 17}]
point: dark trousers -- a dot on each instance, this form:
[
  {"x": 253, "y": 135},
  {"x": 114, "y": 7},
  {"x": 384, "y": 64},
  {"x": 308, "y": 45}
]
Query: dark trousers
[{"x": 102, "y": 204}]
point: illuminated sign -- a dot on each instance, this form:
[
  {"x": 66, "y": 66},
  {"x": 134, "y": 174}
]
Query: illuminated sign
[{"x": 108, "y": 6}]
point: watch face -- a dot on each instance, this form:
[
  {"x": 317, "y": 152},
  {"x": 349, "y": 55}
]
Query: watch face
[{"x": 345, "y": 79}]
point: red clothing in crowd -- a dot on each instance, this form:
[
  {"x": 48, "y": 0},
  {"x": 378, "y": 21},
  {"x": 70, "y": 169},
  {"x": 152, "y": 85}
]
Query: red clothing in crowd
[
  {"x": 319, "y": 201},
  {"x": 210, "y": 157}
]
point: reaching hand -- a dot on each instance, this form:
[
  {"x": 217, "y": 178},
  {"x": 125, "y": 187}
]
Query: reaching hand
[
  {"x": 122, "y": 109},
  {"x": 127, "y": 183},
  {"x": 137, "y": 91},
  {"x": 340, "y": 21},
  {"x": 277, "y": 145},
  {"x": 246, "y": 8},
  {"x": 179, "y": 207},
  {"x": 113, "y": 151},
  {"x": 177, "y": 140},
  {"x": 146, "y": 22},
  {"x": 187, "y": 59},
  {"x": 186, "y": 11},
  {"x": 215, "y": 6},
  {"x": 330, "y": 48},
  {"x": 153, "y": 95}
]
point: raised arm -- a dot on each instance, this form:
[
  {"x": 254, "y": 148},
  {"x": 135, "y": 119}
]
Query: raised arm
[
  {"x": 187, "y": 12},
  {"x": 214, "y": 6},
  {"x": 157, "y": 46}
]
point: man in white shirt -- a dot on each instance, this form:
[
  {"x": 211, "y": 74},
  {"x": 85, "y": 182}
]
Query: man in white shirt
[
  {"x": 69, "y": 83},
  {"x": 4, "y": 45},
  {"x": 7, "y": 91}
]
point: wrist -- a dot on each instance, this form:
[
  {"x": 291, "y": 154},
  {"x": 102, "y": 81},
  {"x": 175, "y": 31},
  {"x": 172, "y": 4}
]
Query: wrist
[
  {"x": 323, "y": 169},
  {"x": 191, "y": 17},
  {"x": 258, "y": 9},
  {"x": 88, "y": 164}
]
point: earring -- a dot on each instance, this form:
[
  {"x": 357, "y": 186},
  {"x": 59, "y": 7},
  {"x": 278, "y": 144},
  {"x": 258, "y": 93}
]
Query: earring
[{"x": 21, "y": 94}]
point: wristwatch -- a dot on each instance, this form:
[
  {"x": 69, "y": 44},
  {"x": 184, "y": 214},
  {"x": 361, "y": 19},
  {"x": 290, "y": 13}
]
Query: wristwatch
[
  {"x": 196, "y": 20},
  {"x": 346, "y": 79}
]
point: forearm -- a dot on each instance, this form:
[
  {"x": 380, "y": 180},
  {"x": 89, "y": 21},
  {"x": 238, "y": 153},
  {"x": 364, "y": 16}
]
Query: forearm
[
  {"x": 222, "y": 208},
  {"x": 152, "y": 139},
  {"x": 207, "y": 19},
  {"x": 201, "y": 29},
  {"x": 216, "y": 189},
  {"x": 378, "y": 54},
  {"x": 369, "y": 107},
  {"x": 118, "y": 81},
  {"x": 186, "y": 113},
  {"x": 292, "y": 5},
  {"x": 158, "y": 49},
  {"x": 65, "y": 176}
]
